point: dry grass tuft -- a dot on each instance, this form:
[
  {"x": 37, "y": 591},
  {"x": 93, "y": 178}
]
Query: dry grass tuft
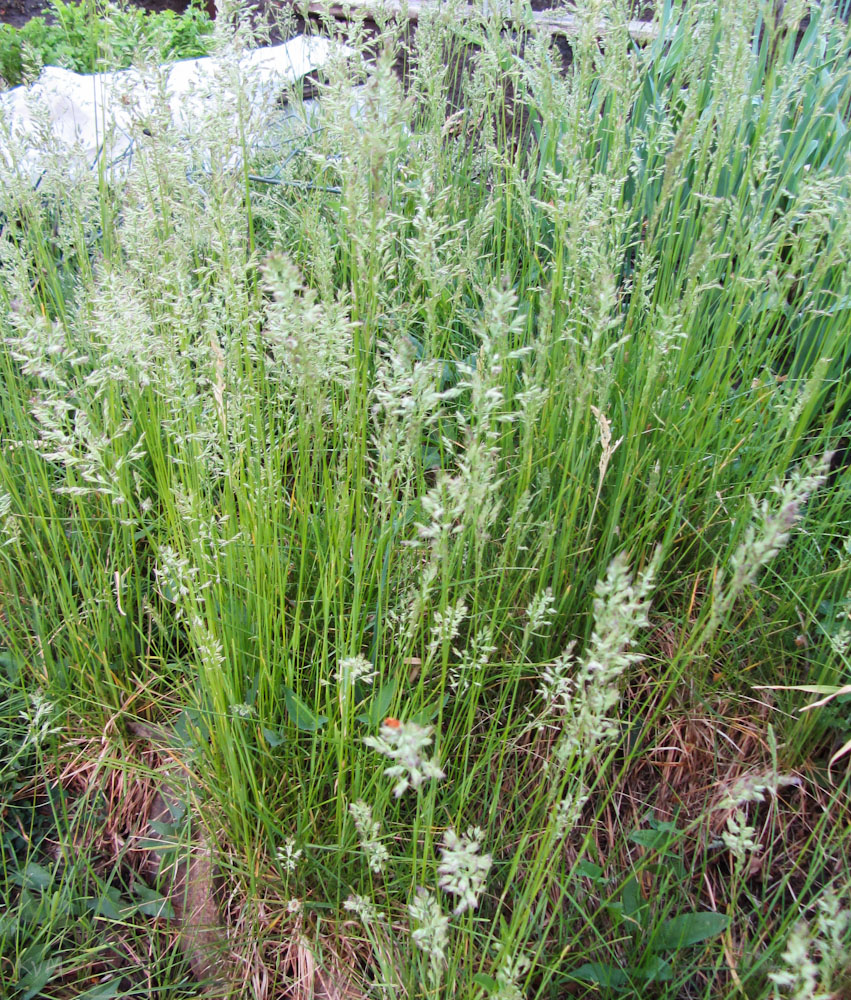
[
  {"x": 690, "y": 768},
  {"x": 274, "y": 952},
  {"x": 285, "y": 955}
]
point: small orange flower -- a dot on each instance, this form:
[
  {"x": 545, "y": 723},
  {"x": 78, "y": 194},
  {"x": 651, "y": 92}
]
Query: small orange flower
[{"x": 392, "y": 723}]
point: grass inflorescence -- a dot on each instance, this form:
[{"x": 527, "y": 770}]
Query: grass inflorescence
[{"x": 425, "y": 513}]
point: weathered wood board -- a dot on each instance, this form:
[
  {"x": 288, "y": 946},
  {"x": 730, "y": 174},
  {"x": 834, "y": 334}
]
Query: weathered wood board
[{"x": 558, "y": 22}]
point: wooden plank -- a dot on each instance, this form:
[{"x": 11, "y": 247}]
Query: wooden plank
[{"x": 557, "y": 22}]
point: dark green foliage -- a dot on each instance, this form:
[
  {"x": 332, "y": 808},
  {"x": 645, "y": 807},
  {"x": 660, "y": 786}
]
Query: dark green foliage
[{"x": 72, "y": 37}]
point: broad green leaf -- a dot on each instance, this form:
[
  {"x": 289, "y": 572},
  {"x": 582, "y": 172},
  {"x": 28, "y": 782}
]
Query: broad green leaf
[
  {"x": 431, "y": 458},
  {"x": 164, "y": 829},
  {"x": 106, "y": 905},
  {"x": 654, "y": 970},
  {"x": 601, "y": 973},
  {"x": 300, "y": 714},
  {"x": 589, "y": 870},
  {"x": 36, "y": 978},
  {"x": 30, "y": 907},
  {"x": 688, "y": 929},
  {"x": 103, "y": 991},
  {"x": 427, "y": 715},
  {"x": 33, "y": 877},
  {"x": 152, "y": 903},
  {"x": 633, "y": 902},
  {"x": 191, "y": 729},
  {"x": 380, "y": 704},
  {"x": 486, "y": 982},
  {"x": 11, "y": 666},
  {"x": 176, "y": 808},
  {"x": 37, "y": 970},
  {"x": 654, "y": 840},
  {"x": 273, "y": 738}
]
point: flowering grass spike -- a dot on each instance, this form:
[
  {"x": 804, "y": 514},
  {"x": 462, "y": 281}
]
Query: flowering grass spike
[{"x": 404, "y": 743}]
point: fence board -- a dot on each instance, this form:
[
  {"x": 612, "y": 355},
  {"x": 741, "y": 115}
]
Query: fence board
[{"x": 556, "y": 22}]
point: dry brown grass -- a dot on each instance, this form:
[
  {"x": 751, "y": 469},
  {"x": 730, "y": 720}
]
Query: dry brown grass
[
  {"x": 113, "y": 785},
  {"x": 687, "y": 760},
  {"x": 690, "y": 756}
]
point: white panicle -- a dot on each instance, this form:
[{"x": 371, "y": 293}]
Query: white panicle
[
  {"x": 429, "y": 929},
  {"x": 541, "y": 612},
  {"x": 355, "y": 668},
  {"x": 469, "y": 672},
  {"x": 364, "y": 908},
  {"x": 289, "y": 855},
  {"x": 463, "y": 869},
  {"x": 404, "y": 743},
  {"x": 816, "y": 957},
  {"x": 581, "y": 694},
  {"x": 368, "y": 833},
  {"x": 509, "y": 974},
  {"x": 10, "y": 532},
  {"x": 569, "y": 810},
  {"x": 40, "y": 720},
  {"x": 174, "y": 575},
  {"x": 446, "y": 625},
  {"x": 767, "y": 534},
  {"x": 739, "y": 838}
]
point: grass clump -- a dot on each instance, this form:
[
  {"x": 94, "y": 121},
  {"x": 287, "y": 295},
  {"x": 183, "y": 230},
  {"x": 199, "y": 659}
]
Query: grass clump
[{"x": 441, "y": 481}]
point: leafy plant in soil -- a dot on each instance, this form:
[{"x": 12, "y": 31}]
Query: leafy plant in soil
[{"x": 95, "y": 35}]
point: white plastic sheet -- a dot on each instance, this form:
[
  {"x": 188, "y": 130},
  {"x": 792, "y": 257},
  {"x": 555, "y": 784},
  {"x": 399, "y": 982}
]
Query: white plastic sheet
[{"x": 101, "y": 116}]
